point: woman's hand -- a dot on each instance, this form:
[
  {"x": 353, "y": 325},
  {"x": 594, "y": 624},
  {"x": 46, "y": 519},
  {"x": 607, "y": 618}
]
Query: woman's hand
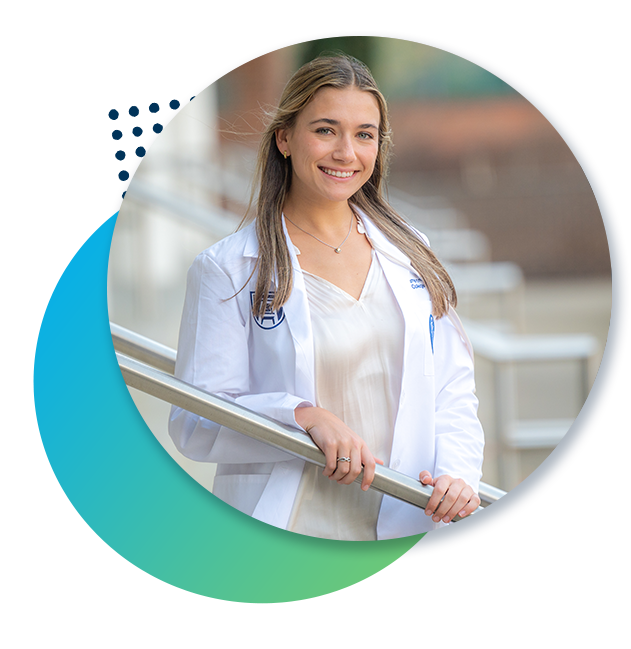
[
  {"x": 336, "y": 440},
  {"x": 458, "y": 498}
]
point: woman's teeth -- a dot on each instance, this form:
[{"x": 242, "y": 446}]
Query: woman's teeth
[{"x": 338, "y": 174}]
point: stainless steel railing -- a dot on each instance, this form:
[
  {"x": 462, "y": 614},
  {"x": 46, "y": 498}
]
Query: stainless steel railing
[{"x": 148, "y": 366}]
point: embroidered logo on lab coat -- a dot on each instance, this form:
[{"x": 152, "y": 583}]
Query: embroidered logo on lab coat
[
  {"x": 417, "y": 283},
  {"x": 431, "y": 330},
  {"x": 270, "y": 319}
]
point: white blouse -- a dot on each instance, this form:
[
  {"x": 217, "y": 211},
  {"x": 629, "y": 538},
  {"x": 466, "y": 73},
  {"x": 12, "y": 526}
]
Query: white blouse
[{"x": 358, "y": 369}]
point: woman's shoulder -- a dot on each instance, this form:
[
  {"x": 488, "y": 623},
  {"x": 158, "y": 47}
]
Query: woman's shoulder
[
  {"x": 233, "y": 251},
  {"x": 368, "y": 224}
]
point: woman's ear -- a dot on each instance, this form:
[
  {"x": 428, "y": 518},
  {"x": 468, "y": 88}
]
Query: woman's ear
[{"x": 281, "y": 141}]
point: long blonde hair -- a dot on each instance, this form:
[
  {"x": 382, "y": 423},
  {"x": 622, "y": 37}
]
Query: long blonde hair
[{"x": 273, "y": 179}]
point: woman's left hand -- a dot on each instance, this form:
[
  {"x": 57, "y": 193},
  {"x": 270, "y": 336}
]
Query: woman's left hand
[{"x": 458, "y": 498}]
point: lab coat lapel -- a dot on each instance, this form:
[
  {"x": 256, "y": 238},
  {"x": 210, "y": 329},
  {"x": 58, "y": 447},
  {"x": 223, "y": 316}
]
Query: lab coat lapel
[
  {"x": 398, "y": 271},
  {"x": 416, "y": 381},
  {"x": 299, "y": 322}
]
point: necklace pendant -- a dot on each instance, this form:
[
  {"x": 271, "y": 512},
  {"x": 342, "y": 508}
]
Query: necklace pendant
[{"x": 338, "y": 250}]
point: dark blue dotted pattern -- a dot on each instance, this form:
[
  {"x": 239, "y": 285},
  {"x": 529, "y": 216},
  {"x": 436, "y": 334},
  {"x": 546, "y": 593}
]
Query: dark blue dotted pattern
[{"x": 140, "y": 151}]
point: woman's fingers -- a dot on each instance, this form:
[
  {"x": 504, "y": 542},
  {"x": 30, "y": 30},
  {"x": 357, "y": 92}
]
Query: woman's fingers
[
  {"x": 467, "y": 502},
  {"x": 451, "y": 497},
  {"x": 344, "y": 461},
  {"x": 441, "y": 485},
  {"x": 330, "y": 453},
  {"x": 345, "y": 452},
  {"x": 468, "y": 508},
  {"x": 354, "y": 467},
  {"x": 443, "y": 497},
  {"x": 425, "y": 477},
  {"x": 454, "y": 498},
  {"x": 369, "y": 462}
]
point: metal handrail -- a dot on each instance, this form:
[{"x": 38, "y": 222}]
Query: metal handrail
[
  {"x": 168, "y": 388},
  {"x": 164, "y": 386},
  {"x": 144, "y": 349},
  {"x": 160, "y": 356}
]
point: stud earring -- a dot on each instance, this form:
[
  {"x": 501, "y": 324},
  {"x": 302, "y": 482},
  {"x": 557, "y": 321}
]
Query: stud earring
[{"x": 285, "y": 154}]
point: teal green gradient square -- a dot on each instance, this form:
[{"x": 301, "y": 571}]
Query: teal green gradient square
[{"x": 99, "y": 469}]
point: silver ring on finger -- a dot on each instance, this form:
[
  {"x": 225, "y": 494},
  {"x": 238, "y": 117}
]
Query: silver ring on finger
[{"x": 343, "y": 459}]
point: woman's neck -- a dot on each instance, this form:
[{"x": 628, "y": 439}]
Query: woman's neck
[{"x": 318, "y": 217}]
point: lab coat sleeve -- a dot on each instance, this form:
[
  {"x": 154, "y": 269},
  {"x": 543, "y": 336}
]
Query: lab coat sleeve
[
  {"x": 459, "y": 435},
  {"x": 213, "y": 355}
]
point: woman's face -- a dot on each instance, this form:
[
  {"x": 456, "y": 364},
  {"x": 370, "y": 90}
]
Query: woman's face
[{"x": 333, "y": 145}]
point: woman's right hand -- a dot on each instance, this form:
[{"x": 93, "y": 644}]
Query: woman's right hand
[{"x": 335, "y": 439}]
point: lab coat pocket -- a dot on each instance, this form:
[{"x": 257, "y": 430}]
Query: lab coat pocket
[{"x": 242, "y": 491}]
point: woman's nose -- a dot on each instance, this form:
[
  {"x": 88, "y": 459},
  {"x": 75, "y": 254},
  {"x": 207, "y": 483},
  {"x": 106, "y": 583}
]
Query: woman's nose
[{"x": 344, "y": 152}]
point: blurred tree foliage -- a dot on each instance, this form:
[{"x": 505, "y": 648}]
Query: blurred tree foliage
[
  {"x": 579, "y": 62},
  {"x": 361, "y": 47}
]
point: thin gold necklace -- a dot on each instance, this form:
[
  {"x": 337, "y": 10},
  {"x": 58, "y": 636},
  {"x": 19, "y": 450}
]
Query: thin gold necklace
[{"x": 339, "y": 248}]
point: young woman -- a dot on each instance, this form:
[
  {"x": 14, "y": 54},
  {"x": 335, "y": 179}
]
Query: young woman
[{"x": 330, "y": 314}]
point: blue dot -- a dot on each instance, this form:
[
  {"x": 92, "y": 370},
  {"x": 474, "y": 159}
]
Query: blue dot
[
  {"x": 124, "y": 194},
  {"x": 140, "y": 151},
  {"x": 133, "y": 111},
  {"x": 154, "y": 108},
  {"x": 120, "y": 155},
  {"x": 157, "y": 128},
  {"x": 117, "y": 135},
  {"x": 113, "y": 114},
  {"x": 123, "y": 175},
  {"x": 174, "y": 104},
  {"x": 137, "y": 131}
]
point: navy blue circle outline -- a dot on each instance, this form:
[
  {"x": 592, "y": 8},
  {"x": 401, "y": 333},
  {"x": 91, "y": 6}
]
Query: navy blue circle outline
[
  {"x": 570, "y": 447},
  {"x": 268, "y": 328},
  {"x": 260, "y": 325}
]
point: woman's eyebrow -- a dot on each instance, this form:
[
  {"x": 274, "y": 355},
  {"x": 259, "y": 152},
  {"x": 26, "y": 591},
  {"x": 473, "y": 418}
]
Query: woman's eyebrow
[{"x": 335, "y": 122}]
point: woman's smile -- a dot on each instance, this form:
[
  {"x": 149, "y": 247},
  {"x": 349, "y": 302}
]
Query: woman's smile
[{"x": 338, "y": 173}]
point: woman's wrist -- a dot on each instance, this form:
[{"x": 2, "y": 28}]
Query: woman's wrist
[{"x": 305, "y": 416}]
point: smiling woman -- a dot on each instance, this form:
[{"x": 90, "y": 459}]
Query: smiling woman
[
  {"x": 333, "y": 147},
  {"x": 329, "y": 313}
]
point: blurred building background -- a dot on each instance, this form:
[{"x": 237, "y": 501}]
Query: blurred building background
[{"x": 502, "y": 198}]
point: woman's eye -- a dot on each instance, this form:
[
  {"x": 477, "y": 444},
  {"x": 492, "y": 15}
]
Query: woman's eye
[
  {"x": 323, "y": 130},
  {"x": 366, "y": 136}
]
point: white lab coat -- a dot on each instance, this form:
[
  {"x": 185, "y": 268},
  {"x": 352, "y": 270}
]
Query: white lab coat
[{"x": 268, "y": 366}]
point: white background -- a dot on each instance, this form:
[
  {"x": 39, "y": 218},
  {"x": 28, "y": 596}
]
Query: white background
[{"x": 47, "y": 97}]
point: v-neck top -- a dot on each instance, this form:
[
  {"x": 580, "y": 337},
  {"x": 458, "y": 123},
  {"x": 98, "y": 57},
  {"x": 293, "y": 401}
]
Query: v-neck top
[{"x": 358, "y": 347}]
